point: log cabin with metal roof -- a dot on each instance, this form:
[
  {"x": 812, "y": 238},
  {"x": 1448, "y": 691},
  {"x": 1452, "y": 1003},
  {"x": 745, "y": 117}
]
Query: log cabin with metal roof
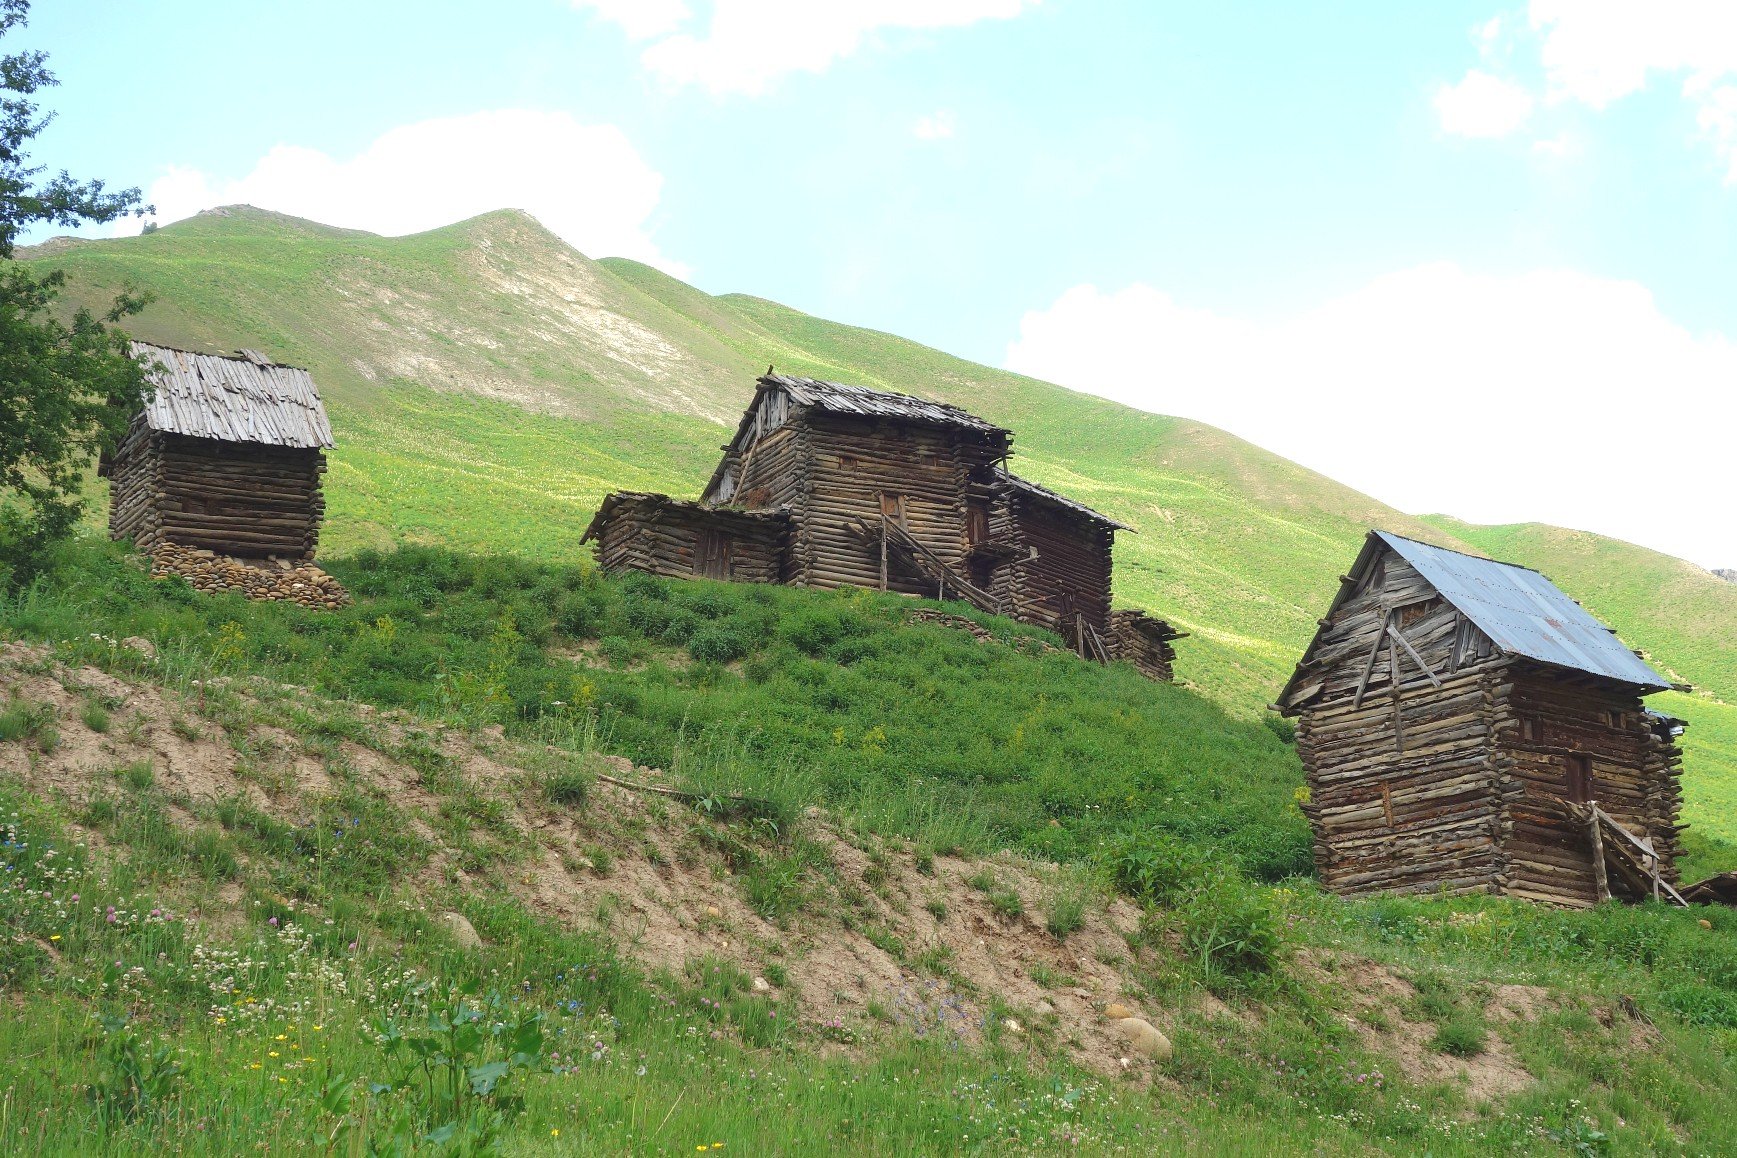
[
  {"x": 1465, "y": 726},
  {"x": 226, "y": 456},
  {"x": 892, "y": 492}
]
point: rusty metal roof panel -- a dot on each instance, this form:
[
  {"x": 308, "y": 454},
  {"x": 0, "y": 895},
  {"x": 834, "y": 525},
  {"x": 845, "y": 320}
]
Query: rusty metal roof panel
[
  {"x": 1525, "y": 614},
  {"x": 842, "y": 398},
  {"x": 244, "y": 399}
]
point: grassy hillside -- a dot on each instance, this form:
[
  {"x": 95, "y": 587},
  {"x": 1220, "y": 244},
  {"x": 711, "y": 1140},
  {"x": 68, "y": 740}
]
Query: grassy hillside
[
  {"x": 488, "y": 385},
  {"x": 367, "y": 882}
]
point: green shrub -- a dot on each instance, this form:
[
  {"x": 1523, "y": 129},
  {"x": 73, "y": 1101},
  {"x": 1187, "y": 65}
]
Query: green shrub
[
  {"x": 567, "y": 788},
  {"x": 23, "y": 720},
  {"x": 718, "y": 643},
  {"x": 137, "y": 775},
  {"x": 1067, "y": 898},
  {"x": 1230, "y": 933},
  {"x": 95, "y": 717},
  {"x": 1700, "y": 1004},
  {"x": 1156, "y": 868},
  {"x": 1462, "y": 1036}
]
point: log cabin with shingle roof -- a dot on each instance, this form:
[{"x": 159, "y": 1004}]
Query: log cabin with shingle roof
[
  {"x": 226, "y": 456},
  {"x": 1465, "y": 726},
  {"x": 877, "y": 489}
]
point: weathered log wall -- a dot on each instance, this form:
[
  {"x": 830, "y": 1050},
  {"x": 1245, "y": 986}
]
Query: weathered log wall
[
  {"x": 1137, "y": 638},
  {"x": 1547, "y": 722},
  {"x": 662, "y": 536},
  {"x": 1058, "y": 570},
  {"x": 242, "y": 499},
  {"x": 866, "y": 469},
  {"x": 1404, "y": 790}
]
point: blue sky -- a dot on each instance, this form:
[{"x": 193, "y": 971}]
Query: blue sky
[{"x": 1382, "y": 239}]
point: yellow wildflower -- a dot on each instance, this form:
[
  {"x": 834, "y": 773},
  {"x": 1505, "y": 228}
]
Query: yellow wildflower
[{"x": 273, "y": 1053}]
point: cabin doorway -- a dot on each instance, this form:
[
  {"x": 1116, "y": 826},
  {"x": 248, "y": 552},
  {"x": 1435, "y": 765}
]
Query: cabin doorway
[
  {"x": 1580, "y": 786},
  {"x": 711, "y": 555}
]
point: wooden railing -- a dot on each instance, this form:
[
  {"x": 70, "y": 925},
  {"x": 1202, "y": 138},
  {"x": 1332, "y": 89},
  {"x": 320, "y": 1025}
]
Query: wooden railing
[
  {"x": 897, "y": 543},
  {"x": 1634, "y": 858}
]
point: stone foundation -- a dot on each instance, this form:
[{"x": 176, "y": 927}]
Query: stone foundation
[{"x": 267, "y": 580}]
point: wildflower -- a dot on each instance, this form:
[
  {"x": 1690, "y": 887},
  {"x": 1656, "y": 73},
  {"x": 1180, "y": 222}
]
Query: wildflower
[
  {"x": 280, "y": 1037},
  {"x": 55, "y": 937},
  {"x": 273, "y": 1053},
  {"x": 554, "y": 1133},
  {"x": 272, "y": 922}
]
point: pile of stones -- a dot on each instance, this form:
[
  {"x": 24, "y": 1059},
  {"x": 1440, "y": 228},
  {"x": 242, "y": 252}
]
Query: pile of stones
[{"x": 270, "y": 579}]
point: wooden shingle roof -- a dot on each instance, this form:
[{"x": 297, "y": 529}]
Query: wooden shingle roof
[{"x": 247, "y": 398}]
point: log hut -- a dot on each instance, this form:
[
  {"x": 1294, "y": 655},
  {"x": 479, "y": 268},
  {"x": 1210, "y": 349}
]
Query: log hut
[
  {"x": 1054, "y": 561},
  {"x": 884, "y": 490},
  {"x": 876, "y": 489},
  {"x": 226, "y": 456},
  {"x": 664, "y": 536},
  {"x": 1467, "y": 727}
]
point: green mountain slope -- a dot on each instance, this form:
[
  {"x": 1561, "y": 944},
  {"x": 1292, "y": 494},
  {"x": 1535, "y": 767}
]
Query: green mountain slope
[{"x": 488, "y": 385}]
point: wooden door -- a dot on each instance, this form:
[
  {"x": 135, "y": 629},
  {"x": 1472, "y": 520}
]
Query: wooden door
[
  {"x": 1580, "y": 787},
  {"x": 976, "y": 523},
  {"x": 711, "y": 555},
  {"x": 893, "y": 508}
]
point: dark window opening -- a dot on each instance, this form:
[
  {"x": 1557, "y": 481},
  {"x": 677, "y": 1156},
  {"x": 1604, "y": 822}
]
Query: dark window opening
[
  {"x": 976, "y": 523},
  {"x": 847, "y": 462},
  {"x": 1531, "y": 729},
  {"x": 1414, "y": 612},
  {"x": 1616, "y": 719}
]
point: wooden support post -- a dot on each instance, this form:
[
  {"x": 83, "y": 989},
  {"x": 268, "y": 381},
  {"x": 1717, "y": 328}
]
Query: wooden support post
[
  {"x": 883, "y": 552},
  {"x": 1398, "y": 719},
  {"x": 1369, "y": 664},
  {"x": 1599, "y": 874}
]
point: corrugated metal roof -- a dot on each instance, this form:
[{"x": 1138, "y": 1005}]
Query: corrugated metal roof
[
  {"x": 1043, "y": 492},
  {"x": 243, "y": 399},
  {"x": 1524, "y": 613},
  {"x": 841, "y": 398}
]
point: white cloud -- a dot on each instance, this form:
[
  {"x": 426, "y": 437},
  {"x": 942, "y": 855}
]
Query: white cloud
[
  {"x": 640, "y": 19},
  {"x": 586, "y": 183},
  {"x": 1597, "y": 51},
  {"x": 1550, "y": 395},
  {"x": 937, "y": 126},
  {"x": 1482, "y": 105},
  {"x": 748, "y": 44}
]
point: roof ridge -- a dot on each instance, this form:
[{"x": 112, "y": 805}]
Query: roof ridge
[{"x": 1462, "y": 554}]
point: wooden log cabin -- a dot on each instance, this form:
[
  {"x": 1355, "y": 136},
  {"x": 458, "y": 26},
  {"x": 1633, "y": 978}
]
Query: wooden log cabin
[
  {"x": 888, "y": 491},
  {"x": 664, "y": 536},
  {"x": 1467, "y": 727},
  {"x": 227, "y": 456}
]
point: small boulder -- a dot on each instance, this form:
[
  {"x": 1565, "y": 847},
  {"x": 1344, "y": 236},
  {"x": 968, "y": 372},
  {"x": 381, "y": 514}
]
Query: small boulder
[
  {"x": 714, "y": 912},
  {"x": 1116, "y": 1011},
  {"x": 761, "y": 985},
  {"x": 1705, "y": 923},
  {"x": 141, "y": 645},
  {"x": 1144, "y": 1037},
  {"x": 1012, "y": 1026},
  {"x": 463, "y": 932}
]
